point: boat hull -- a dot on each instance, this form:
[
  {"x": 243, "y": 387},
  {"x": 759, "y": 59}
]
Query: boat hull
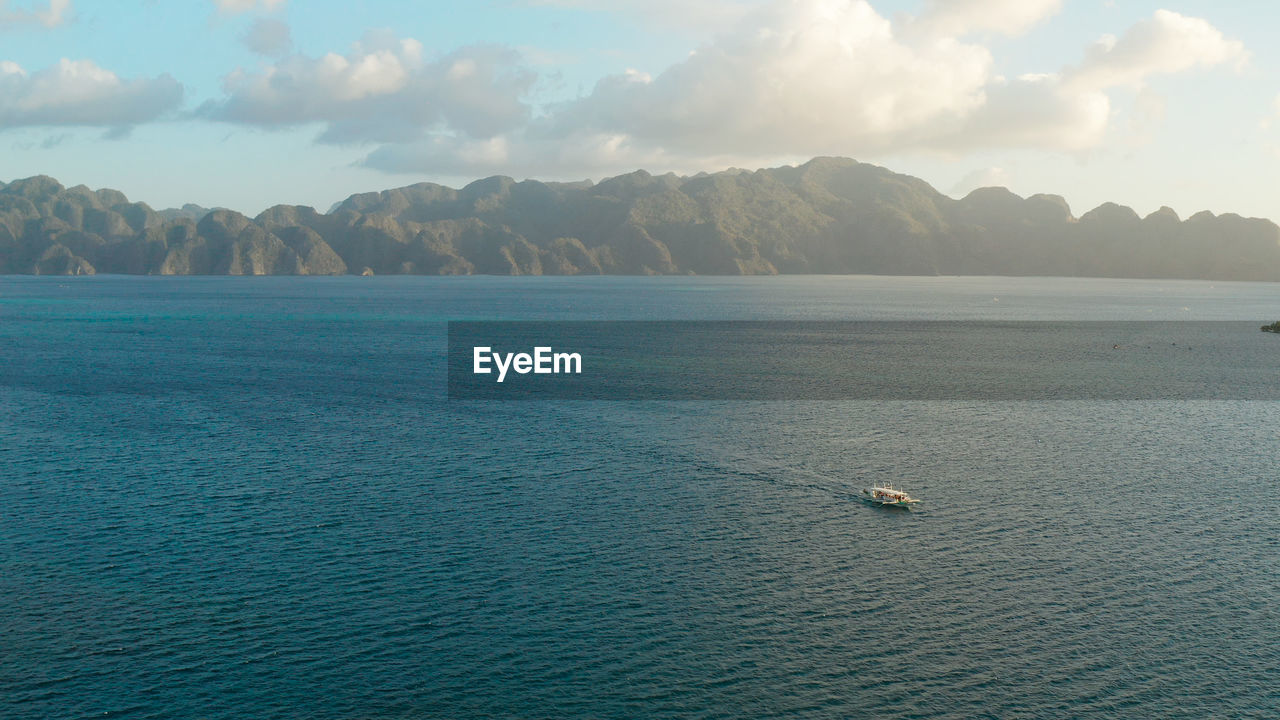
[{"x": 882, "y": 503}]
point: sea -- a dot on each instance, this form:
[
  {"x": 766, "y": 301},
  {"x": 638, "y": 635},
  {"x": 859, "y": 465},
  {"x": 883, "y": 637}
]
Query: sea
[{"x": 254, "y": 498}]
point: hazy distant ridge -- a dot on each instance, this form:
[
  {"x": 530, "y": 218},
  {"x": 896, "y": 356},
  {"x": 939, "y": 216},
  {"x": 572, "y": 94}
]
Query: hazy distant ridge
[{"x": 830, "y": 215}]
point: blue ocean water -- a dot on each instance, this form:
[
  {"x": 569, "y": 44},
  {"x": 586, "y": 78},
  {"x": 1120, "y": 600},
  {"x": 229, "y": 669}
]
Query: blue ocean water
[{"x": 250, "y": 498}]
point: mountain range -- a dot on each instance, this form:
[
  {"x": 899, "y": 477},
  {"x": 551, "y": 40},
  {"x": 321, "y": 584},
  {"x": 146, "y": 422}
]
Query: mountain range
[{"x": 829, "y": 215}]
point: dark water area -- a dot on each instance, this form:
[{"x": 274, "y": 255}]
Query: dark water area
[{"x": 251, "y": 498}]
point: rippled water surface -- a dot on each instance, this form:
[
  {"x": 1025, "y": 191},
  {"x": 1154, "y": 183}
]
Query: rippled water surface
[{"x": 249, "y": 498}]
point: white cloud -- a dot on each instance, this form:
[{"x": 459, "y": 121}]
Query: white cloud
[
  {"x": 796, "y": 79},
  {"x": 1164, "y": 43},
  {"x": 235, "y": 7},
  {"x": 956, "y": 18},
  {"x": 817, "y": 77},
  {"x": 791, "y": 79},
  {"x": 79, "y": 93},
  {"x": 800, "y": 79},
  {"x": 383, "y": 91},
  {"x": 1072, "y": 110},
  {"x": 52, "y": 14}
]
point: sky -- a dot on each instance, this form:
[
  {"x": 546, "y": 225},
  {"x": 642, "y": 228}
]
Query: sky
[{"x": 249, "y": 103}]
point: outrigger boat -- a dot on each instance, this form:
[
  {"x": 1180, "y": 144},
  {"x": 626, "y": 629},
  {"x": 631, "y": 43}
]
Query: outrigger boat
[{"x": 887, "y": 495}]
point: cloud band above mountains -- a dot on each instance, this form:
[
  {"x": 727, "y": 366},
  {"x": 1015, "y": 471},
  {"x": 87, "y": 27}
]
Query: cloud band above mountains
[
  {"x": 820, "y": 76},
  {"x": 787, "y": 78}
]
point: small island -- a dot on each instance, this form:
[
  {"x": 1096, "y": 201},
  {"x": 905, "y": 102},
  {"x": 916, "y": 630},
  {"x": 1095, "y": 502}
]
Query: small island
[{"x": 1272, "y": 328}]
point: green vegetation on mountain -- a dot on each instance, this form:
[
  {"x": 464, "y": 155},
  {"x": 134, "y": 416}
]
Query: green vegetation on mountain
[{"x": 830, "y": 215}]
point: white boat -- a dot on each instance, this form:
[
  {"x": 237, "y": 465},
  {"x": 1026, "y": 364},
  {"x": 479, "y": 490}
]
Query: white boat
[{"x": 886, "y": 495}]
